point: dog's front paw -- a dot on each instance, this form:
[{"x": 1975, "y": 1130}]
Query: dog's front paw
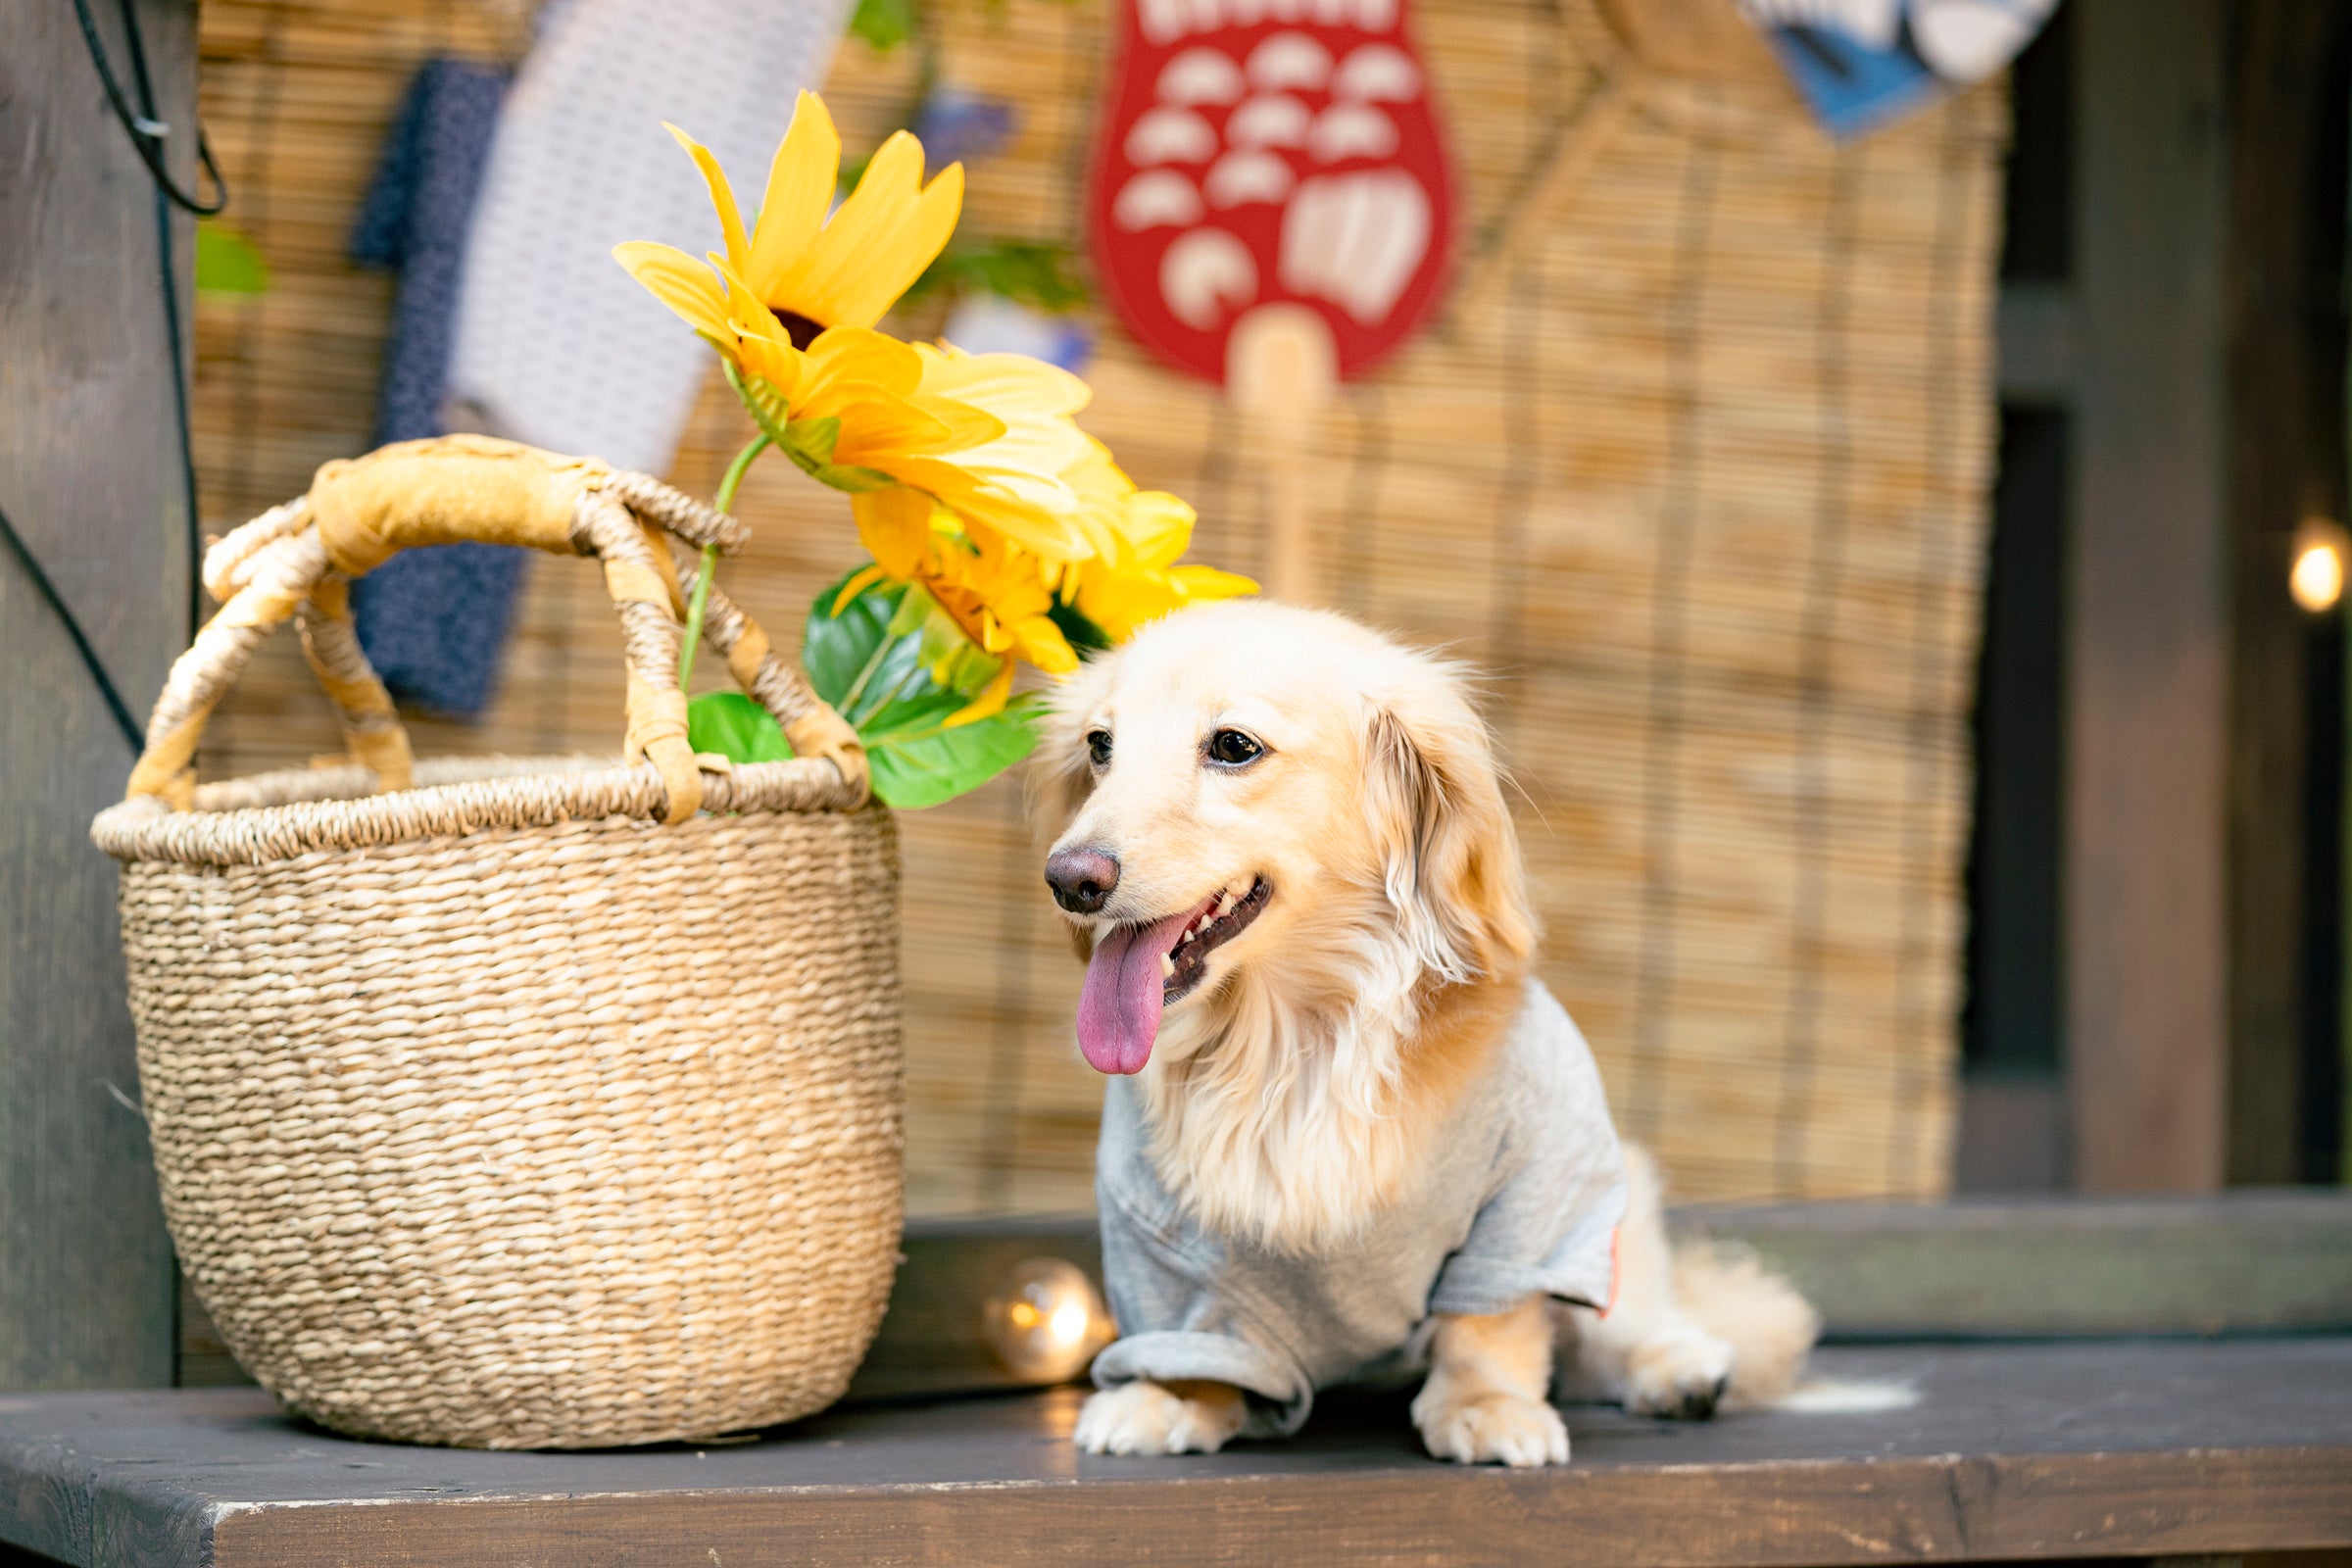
[
  {"x": 1682, "y": 1372},
  {"x": 1491, "y": 1429},
  {"x": 1144, "y": 1418}
]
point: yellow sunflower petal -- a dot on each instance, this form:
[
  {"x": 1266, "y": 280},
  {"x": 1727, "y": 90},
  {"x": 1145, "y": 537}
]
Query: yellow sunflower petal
[
  {"x": 678, "y": 281},
  {"x": 895, "y": 526},
  {"x": 878, "y": 242},
  {"x": 1003, "y": 381},
  {"x": 770, "y": 357},
  {"x": 1156, "y": 526},
  {"x": 723, "y": 197},
  {"x": 799, "y": 191},
  {"x": 856, "y": 354},
  {"x": 1042, "y": 644},
  {"x": 877, "y": 431},
  {"x": 1208, "y": 582},
  {"x": 858, "y": 583},
  {"x": 763, "y": 347},
  {"x": 1041, "y": 444},
  {"x": 968, "y": 426},
  {"x": 1101, "y": 490},
  {"x": 990, "y": 702},
  {"x": 1120, "y": 605},
  {"x": 1033, "y": 520}
]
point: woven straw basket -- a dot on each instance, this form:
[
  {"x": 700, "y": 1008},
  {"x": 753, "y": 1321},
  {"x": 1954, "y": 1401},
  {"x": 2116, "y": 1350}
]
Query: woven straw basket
[{"x": 516, "y": 1103}]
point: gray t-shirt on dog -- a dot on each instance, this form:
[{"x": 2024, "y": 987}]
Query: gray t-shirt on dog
[{"x": 1522, "y": 1195}]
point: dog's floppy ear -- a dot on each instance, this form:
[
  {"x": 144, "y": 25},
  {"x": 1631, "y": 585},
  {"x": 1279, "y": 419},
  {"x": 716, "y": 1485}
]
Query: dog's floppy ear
[{"x": 1451, "y": 856}]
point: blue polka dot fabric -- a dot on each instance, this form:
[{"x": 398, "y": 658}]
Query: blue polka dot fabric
[{"x": 432, "y": 622}]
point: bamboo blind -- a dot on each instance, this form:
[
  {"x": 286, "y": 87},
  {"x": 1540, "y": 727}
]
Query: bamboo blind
[{"x": 1698, "y": 474}]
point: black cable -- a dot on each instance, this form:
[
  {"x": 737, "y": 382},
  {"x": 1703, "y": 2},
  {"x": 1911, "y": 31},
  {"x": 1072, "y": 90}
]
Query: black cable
[
  {"x": 147, "y": 132},
  {"x": 171, "y": 319},
  {"x": 147, "y": 135},
  {"x": 179, "y": 409},
  {"x": 82, "y": 644}
]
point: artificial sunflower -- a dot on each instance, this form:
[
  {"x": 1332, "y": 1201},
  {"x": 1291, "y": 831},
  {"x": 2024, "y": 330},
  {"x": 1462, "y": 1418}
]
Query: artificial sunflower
[
  {"x": 791, "y": 304},
  {"x": 1132, "y": 578},
  {"x": 999, "y": 595},
  {"x": 813, "y": 271},
  {"x": 1006, "y": 527}
]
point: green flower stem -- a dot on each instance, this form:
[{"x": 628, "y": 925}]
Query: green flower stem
[{"x": 701, "y": 601}]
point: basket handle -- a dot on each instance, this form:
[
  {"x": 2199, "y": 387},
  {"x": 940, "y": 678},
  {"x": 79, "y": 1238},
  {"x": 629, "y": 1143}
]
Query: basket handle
[{"x": 359, "y": 513}]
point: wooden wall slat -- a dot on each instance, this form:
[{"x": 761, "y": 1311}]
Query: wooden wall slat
[
  {"x": 1746, "y": 818},
  {"x": 2147, "y": 702},
  {"x": 90, "y": 476}
]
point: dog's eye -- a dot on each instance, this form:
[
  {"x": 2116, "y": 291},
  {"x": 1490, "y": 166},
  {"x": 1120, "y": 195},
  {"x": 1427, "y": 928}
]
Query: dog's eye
[
  {"x": 1097, "y": 746},
  {"x": 1232, "y": 747}
]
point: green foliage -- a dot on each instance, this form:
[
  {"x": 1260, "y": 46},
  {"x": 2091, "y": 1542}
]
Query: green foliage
[
  {"x": 866, "y": 659},
  {"x": 883, "y": 24},
  {"x": 867, "y": 656},
  {"x": 736, "y": 727},
  {"x": 227, "y": 262},
  {"x": 1041, "y": 276},
  {"x": 1077, "y": 629},
  {"x": 926, "y": 767}
]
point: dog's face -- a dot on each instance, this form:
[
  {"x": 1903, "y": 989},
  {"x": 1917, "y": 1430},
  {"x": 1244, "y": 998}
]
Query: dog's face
[{"x": 1247, "y": 788}]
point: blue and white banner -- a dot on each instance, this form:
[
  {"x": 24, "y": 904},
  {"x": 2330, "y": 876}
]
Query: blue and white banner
[{"x": 1863, "y": 63}]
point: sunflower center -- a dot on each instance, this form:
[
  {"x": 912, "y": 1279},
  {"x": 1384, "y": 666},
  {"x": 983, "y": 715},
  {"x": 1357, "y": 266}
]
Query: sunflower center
[{"x": 802, "y": 330}]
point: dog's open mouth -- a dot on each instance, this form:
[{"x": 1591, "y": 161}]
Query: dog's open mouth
[{"x": 1139, "y": 969}]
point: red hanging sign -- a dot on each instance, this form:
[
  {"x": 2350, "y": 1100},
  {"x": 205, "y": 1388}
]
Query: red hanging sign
[{"x": 1263, "y": 153}]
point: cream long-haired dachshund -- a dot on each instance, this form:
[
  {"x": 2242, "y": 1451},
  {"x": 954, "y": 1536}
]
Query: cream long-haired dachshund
[{"x": 1346, "y": 1137}]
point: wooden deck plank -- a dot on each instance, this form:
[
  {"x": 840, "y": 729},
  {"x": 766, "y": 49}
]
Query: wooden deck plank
[
  {"x": 2017, "y": 1452},
  {"x": 2249, "y": 1261},
  {"x": 2267, "y": 1261}
]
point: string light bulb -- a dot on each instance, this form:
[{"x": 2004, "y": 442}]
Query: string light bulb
[
  {"x": 2316, "y": 578},
  {"x": 1046, "y": 1321}
]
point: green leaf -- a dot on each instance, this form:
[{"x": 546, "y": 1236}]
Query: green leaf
[
  {"x": 227, "y": 262},
  {"x": 810, "y": 443},
  {"x": 736, "y": 727},
  {"x": 760, "y": 399},
  {"x": 1077, "y": 628},
  {"x": 840, "y": 640},
  {"x": 919, "y": 769},
  {"x": 1041, "y": 275},
  {"x": 866, "y": 657},
  {"x": 910, "y": 715},
  {"x": 883, "y": 24}
]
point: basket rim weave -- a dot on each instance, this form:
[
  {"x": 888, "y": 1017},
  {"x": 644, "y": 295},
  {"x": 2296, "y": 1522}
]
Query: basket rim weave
[{"x": 296, "y": 811}]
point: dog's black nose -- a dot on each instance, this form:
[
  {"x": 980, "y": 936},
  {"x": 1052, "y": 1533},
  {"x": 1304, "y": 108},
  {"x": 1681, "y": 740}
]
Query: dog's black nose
[{"x": 1082, "y": 880}]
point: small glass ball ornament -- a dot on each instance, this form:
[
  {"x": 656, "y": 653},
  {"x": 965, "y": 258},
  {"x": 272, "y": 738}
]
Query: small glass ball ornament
[{"x": 1046, "y": 1321}]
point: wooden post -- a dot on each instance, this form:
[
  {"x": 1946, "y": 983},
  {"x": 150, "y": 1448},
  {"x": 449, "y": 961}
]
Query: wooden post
[
  {"x": 89, "y": 474},
  {"x": 2285, "y": 461},
  {"x": 1283, "y": 373},
  {"x": 2147, "y": 928}
]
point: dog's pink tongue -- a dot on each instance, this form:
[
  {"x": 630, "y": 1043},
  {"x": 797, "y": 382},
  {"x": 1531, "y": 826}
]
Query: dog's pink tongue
[{"x": 1118, "y": 1011}]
